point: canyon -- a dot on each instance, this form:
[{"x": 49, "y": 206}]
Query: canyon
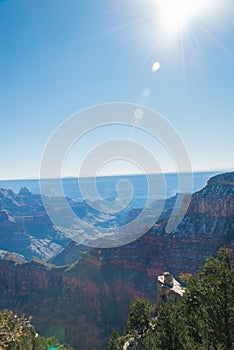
[{"x": 83, "y": 301}]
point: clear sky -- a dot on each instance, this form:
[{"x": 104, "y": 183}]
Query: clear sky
[{"x": 58, "y": 57}]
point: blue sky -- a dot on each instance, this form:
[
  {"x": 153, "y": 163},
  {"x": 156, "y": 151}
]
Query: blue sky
[{"x": 58, "y": 57}]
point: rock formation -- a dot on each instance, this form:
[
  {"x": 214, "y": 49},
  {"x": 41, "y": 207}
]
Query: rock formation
[{"x": 168, "y": 290}]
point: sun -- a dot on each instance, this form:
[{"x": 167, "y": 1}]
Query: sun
[{"x": 176, "y": 14}]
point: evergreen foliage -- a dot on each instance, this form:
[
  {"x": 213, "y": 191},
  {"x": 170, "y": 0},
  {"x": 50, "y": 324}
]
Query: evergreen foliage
[
  {"x": 139, "y": 317},
  {"x": 203, "y": 319},
  {"x": 114, "y": 343}
]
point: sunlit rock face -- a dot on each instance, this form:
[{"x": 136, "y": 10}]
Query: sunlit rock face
[
  {"x": 168, "y": 290},
  {"x": 216, "y": 199},
  {"x": 87, "y": 300},
  {"x": 25, "y": 228}
]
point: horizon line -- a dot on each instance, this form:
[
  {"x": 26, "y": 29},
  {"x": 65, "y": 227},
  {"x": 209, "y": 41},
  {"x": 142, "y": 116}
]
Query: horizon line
[{"x": 116, "y": 175}]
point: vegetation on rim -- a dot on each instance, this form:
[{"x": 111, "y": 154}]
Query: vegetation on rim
[{"x": 202, "y": 319}]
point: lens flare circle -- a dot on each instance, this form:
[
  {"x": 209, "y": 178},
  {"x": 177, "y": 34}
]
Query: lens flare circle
[{"x": 100, "y": 117}]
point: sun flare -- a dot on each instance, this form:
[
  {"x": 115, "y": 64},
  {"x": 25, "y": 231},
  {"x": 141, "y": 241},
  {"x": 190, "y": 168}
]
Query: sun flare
[{"x": 175, "y": 14}]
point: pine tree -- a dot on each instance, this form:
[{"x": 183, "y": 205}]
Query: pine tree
[
  {"x": 114, "y": 341},
  {"x": 139, "y": 316}
]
